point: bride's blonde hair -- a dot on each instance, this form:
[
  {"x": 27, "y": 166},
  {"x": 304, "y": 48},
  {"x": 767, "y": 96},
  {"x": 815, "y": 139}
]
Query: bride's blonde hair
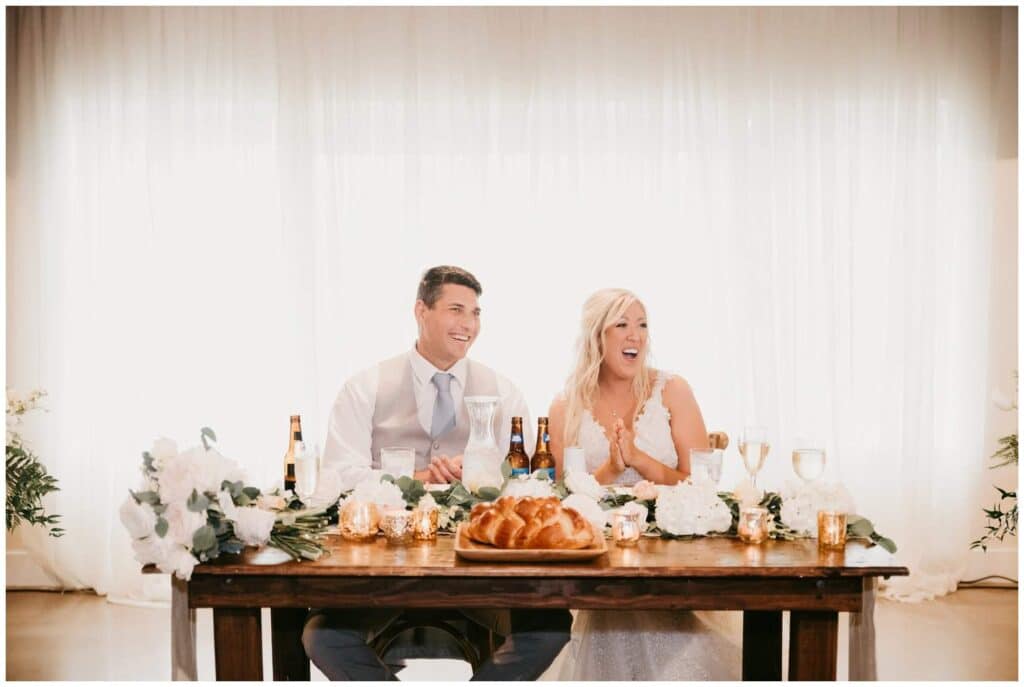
[{"x": 601, "y": 311}]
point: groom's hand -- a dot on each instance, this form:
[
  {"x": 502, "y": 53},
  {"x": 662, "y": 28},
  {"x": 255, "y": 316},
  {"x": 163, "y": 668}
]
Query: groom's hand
[{"x": 441, "y": 470}]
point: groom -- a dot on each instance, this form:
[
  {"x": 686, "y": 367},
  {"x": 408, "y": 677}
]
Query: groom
[{"x": 415, "y": 400}]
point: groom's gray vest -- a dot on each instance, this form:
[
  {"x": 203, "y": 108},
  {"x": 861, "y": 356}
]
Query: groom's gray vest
[{"x": 396, "y": 421}]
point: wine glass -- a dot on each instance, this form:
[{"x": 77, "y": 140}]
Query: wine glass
[
  {"x": 307, "y": 473},
  {"x": 809, "y": 462},
  {"x": 754, "y": 448}
]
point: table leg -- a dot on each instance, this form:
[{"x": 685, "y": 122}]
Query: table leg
[
  {"x": 863, "y": 665},
  {"x": 813, "y": 645},
  {"x": 237, "y": 643},
  {"x": 290, "y": 660},
  {"x": 183, "y": 633},
  {"x": 762, "y": 645}
]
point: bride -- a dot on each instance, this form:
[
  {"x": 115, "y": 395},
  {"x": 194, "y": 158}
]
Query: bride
[{"x": 634, "y": 423}]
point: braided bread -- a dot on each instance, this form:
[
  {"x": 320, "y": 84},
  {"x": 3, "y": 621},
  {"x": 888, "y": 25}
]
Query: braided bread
[{"x": 530, "y": 523}]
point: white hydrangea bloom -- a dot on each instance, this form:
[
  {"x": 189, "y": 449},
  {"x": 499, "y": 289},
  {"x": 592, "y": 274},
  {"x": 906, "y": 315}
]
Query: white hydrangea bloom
[
  {"x": 588, "y": 508},
  {"x": 183, "y": 523},
  {"x": 178, "y": 562},
  {"x": 801, "y": 503},
  {"x": 528, "y": 486},
  {"x": 373, "y": 490},
  {"x": 427, "y": 502},
  {"x": 692, "y": 508},
  {"x": 197, "y": 468}
]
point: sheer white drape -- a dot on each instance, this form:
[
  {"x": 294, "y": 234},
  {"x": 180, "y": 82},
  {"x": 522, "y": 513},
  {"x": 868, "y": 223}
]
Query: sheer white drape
[{"x": 216, "y": 215}]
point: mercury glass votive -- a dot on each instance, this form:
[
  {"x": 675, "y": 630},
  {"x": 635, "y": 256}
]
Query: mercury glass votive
[
  {"x": 831, "y": 530},
  {"x": 626, "y": 527},
  {"x": 358, "y": 521},
  {"x": 424, "y": 524},
  {"x": 396, "y": 523},
  {"x": 753, "y": 525}
]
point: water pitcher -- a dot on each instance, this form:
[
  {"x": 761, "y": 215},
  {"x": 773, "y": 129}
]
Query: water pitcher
[{"x": 481, "y": 461}]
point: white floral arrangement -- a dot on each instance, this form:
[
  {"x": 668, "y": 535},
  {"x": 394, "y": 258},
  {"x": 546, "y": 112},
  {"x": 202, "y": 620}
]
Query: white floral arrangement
[
  {"x": 801, "y": 503},
  {"x": 588, "y": 508},
  {"x": 375, "y": 490},
  {"x": 584, "y": 483},
  {"x": 692, "y": 508},
  {"x": 528, "y": 485},
  {"x": 193, "y": 506}
]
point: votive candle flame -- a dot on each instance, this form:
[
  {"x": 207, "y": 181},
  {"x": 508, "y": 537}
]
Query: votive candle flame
[{"x": 424, "y": 524}]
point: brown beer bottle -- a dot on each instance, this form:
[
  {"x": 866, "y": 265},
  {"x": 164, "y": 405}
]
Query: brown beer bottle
[
  {"x": 294, "y": 434},
  {"x": 542, "y": 458},
  {"x": 517, "y": 458}
]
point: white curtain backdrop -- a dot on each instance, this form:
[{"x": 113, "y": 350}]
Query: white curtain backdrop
[{"x": 216, "y": 215}]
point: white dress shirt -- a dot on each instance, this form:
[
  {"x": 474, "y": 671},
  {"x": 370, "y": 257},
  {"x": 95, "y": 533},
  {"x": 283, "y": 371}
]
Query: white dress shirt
[{"x": 349, "y": 428}]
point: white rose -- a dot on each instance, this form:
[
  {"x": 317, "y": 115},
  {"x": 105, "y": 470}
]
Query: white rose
[
  {"x": 645, "y": 491},
  {"x": 427, "y": 502},
  {"x": 638, "y": 508},
  {"x": 179, "y": 562},
  {"x": 164, "y": 448},
  {"x": 138, "y": 518},
  {"x": 588, "y": 508},
  {"x": 182, "y": 523},
  {"x": 584, "y": 483},
  {"x": 747, "y": 494},
  {"x": 152, "y": 549},
  {"x": 528, "y": 486},
  {"x": 195, "y": 469},
  {"x": 271, "y": 502},
  {"x": 253, "y": 525}
]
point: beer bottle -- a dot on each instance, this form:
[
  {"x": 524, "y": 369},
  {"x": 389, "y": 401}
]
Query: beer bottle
[
  {"x": 294, "y": 434},
  {"x": 542, "y": 458},
  {"x": 517, "y": 458}
]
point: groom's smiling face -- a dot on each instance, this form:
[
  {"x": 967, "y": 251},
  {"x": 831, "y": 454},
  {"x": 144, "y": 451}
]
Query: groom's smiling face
[{"x": 449, "y": 327}]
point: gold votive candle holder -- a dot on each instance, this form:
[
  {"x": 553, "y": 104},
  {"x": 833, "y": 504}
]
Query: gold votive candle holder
[
  {"x": 358, "y": 521},
  {"x": 396, "y": 523},
  {"x": 626, "y": 528},
  {"x": 753, "y": 525},
  {"x": 831, "y": 530},
  {"x": 424, "y": 524}
]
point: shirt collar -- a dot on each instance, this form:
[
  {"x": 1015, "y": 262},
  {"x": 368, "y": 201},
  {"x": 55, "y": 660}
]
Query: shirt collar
[{"x": 424, "y": 370}]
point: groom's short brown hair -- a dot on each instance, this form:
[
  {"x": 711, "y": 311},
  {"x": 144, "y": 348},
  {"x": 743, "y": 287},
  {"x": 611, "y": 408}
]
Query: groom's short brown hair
[{"x": 436, "y": 277}]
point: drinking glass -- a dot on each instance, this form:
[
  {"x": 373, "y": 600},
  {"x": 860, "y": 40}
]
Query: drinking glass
[
  {"x": 808, "y": 463},
  {"x": 754, "y": 448},
  {"x": 307, "y": 473},
  {"x": 396, "y": 461},
  {"x": 707, "y": 459}
]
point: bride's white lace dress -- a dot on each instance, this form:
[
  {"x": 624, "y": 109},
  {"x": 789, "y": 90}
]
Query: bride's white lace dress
[{"x": 648, "y": 645}]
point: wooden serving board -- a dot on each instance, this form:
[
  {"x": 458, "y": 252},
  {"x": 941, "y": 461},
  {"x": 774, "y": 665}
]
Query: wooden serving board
[{"x": 474, "y": 551}]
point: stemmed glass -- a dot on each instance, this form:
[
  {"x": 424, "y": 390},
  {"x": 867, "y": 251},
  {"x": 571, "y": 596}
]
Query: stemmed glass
[
  {"x": 307, "y": 473},
  {"x": 754, "y": 448},
  {"x": 808, "y": 462}
]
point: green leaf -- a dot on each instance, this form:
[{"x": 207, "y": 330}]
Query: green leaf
[
  {"x": 160, "y": 508},
  {"x": 886, "y": 543},
  {"x": 197, "y": 503},
  {"x": 488, "y": 493},
  {"x": 506, "y": 470},
  {"x": 860, "y": 527},
  {"x": 252, "y": 492},
  {"x": 204, "y": 539},
  {"x": 242, "y": 500},
  {"x": 161, "y": 527},
  {"x": 150, "y": 497},
  {"x": 208, "y": 433}
]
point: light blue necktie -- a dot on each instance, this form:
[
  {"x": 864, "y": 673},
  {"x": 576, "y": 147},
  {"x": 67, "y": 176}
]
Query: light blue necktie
[{"x": 444, "y": 406}]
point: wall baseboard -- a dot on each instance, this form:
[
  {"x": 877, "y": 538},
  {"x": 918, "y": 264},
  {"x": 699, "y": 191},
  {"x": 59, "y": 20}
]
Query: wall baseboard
[
  {"x": 23, "y": 573},
  {"x": 998, "y": 560}
]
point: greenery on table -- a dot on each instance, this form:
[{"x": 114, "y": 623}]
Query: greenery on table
[
  {"x": 457, "y": 500},
  {"x": 27, "y": 479}
]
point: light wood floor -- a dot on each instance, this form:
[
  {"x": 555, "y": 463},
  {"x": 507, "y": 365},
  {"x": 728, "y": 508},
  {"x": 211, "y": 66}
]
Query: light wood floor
[{"x": 969, "y": 635}]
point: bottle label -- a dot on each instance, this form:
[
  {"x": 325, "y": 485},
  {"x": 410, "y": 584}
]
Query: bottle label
[
  {"x": 520, "y": 471},
  {"x": 517, "y": 438},
  {"x": 546, "y": 437}
]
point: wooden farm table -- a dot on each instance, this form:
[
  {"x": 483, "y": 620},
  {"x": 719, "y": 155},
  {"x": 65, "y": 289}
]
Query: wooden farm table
[{"x": 699, "y": 574}]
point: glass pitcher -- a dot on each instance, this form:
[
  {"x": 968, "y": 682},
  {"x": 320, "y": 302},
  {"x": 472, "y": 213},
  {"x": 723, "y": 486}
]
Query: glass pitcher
[{"x": 481, "y": 461}]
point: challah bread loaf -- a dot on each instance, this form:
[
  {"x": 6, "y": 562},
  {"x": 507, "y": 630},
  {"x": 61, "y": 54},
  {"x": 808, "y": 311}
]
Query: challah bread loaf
[{"x": 530, "y": 523}]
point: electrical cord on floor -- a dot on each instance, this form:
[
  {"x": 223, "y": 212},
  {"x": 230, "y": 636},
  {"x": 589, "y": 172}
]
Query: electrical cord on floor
[{"x": 967, "y": 584}]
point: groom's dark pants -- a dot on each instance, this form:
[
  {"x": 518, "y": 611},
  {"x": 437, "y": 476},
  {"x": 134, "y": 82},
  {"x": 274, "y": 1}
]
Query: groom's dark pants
[{"x": 337, "y": 641}]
